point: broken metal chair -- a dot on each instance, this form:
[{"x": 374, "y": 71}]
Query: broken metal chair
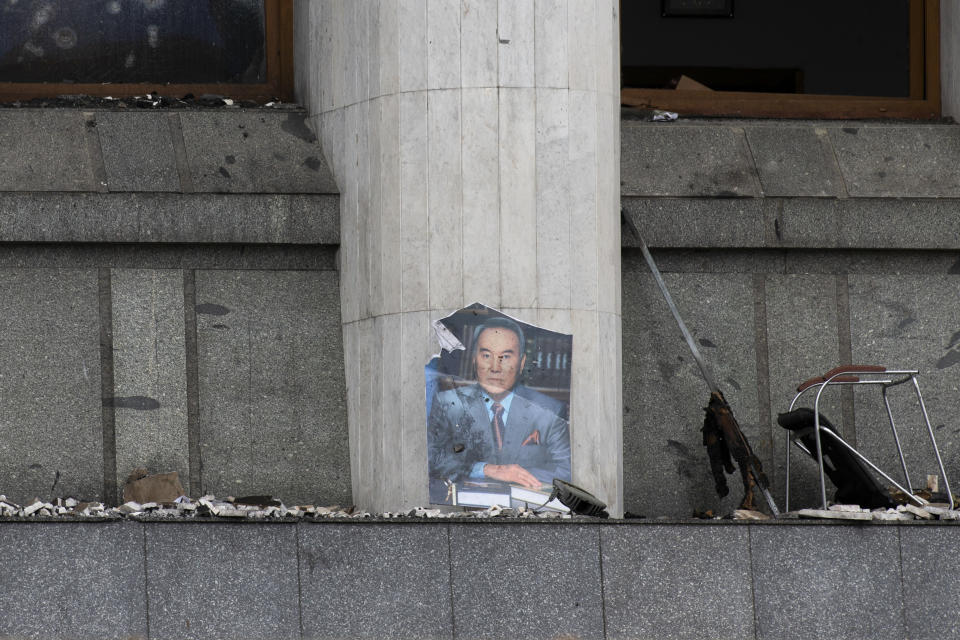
[{"x": 848, "y": 469}]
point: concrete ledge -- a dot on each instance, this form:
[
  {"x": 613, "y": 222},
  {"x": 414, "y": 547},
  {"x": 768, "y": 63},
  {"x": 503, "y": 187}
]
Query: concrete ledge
[
  {"x": 170, "y": 218},
  {"x": 692, "y": 158},
  {"x": 470, "y": 578},
  {"x": 218, "y": 151},
  {"x": 795, "y": 223}
]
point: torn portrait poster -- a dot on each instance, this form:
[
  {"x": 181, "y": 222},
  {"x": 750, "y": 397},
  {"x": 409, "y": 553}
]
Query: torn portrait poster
[{"x": 498, "y": 410}]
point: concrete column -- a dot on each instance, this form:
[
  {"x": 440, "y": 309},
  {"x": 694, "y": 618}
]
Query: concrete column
[{"x": 475, "y": 145}]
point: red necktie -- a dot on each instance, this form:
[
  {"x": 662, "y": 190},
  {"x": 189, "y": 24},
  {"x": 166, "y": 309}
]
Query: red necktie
[{"x": 498, "y": 424}]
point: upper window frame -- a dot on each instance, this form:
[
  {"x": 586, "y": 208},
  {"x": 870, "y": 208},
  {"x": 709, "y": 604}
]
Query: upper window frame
[{"x": 278, "y": 28}]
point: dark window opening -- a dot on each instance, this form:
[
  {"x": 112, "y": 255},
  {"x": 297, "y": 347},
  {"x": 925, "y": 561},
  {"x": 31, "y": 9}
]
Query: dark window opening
[
  {"x": 160, "y": 41},
  {"x": 126, "y": 47},
  {"x": 847, "y": 55}
]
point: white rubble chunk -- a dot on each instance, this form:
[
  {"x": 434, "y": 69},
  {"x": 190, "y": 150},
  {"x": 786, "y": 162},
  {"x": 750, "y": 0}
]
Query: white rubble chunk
[
  {"x": 130, "y": 507},
  {"x": 834, "y": 515},
  {"x": 847, "y": 508},
  {"x": 209, "y": 504},
  {"x": 891, "y": 514},
  {"x": 748, "y": 514},
  {"x": 920, "y": 512},
  {"x": 32, "y": 508}
]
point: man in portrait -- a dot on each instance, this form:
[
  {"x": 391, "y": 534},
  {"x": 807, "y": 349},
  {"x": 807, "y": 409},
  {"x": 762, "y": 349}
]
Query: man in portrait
[{"x": 496, "y": 428}]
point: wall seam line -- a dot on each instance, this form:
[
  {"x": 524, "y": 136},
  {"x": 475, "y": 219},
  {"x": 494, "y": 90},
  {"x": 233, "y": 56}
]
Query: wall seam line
[
  {"x": 107, "y": 386},
  {"x": 191, "y": 361},
  {"x": 463, "y": 266},
  {"x": 903, "y": 588},
  {"x": 753, "y": 584},
  {"x": 146, "y": 581},
  {"x": 453, "y": 617},
  {"x": 757, "y": 176},
  {"x": 427, "y": 100},
  {"x": 297, "y": 532},
  {"x": 762, "y": 352},
  {"x": 845, "y": 355},
  {"x": 175, "y": 125},
  {"x": 828, "y": 141},
  {"x": 98, "y": 169},
  {"x": 603, "y": 592}
]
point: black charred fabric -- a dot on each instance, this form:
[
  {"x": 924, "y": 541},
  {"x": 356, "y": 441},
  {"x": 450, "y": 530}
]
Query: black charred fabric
[
  {"x": 717, "y": 451},
  {"x": 725, "y": 444}
]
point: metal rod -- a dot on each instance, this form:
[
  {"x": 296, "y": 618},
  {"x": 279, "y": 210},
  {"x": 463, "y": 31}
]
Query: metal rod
[
  {"x": 933, "y": 441},
  {"x": 786, "y": 485},
  {"x": 816, "y": 438},
  {"x": 920, "y": 501},
  {"x": 896, "y": 439},
  {"x": 704, "y": 371},
  {"x": 707, "y": 376}
]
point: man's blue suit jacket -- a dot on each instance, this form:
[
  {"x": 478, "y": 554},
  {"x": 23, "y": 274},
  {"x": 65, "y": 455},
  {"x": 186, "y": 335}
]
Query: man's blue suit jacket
[{"x": 460, "y": 434}]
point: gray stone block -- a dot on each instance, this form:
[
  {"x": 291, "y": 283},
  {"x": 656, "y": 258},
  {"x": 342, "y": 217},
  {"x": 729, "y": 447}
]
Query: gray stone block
[
  {"x": 222, "y": 580},
  {"x": 802, "y": 343},
  {"x": 873, "y": 261},
  {"x": 930, "y": 589},
  {"x": 50, "y": 384},
  {"x": 72, "y": 581},
  {"x": 170, "y": 218},
  {"x": 138, "y": 152},
  {"x": 44, "y": 150},
  {"x": 827, "y": 581},
  {"x": 685, "y": 160},
  {"x": 658, "y": 579},
  {"x": 254, "y": 152},
  {"x": 272, "y": 398},
  {"x": 526, "y": 581},
  {"x": 666, "y": 471},
  {"x": 742, "y": 261},
  {"x": 899, "y": 161},
  {"x": 700, "y": 222},
  {"x": 149, "y": 362},
  {"x": 375, "y": 581},
  {"x": 795, "y": 161},
  {"x": 909, "y": 322},
  {"x": 862, "y": 223},
  {"x": 870, "y": 224}
]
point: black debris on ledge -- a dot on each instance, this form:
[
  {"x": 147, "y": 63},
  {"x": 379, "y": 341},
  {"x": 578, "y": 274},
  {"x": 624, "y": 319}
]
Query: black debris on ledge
[{"x": 148, "y": 101}]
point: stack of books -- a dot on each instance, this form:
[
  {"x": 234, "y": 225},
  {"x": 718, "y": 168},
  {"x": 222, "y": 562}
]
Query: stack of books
[{"x": 487, "y": 494}]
